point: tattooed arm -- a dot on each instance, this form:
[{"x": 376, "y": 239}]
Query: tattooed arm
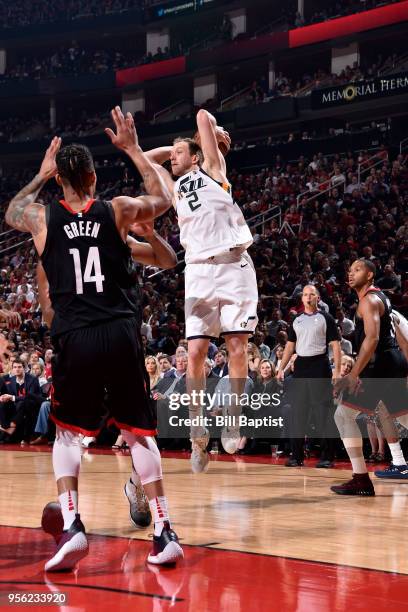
[{"x": 23, "y": 212}]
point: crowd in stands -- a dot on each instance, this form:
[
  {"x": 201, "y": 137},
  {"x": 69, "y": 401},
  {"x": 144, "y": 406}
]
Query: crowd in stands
[
  {"x": 25, "y": 12},
  {"x": 333, "y": 8},
  {"x": 82, "y": 123},
  {"x": 296, "y": 86},
  {"x": 380, "y": 128},
  {"x": 341, "y": 215},
  {"x": 22, "y": 13},
  {"x": 74, "y": 60},
  {"x": 70, "y": 60}
]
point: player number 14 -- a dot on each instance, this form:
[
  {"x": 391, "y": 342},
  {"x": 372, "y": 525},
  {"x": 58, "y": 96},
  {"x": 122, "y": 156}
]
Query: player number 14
[{"x": 93, "y": 263}]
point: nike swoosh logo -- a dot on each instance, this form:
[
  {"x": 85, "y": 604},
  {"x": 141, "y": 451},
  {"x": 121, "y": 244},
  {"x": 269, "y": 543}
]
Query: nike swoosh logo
[{"x": 244, "y": 266}]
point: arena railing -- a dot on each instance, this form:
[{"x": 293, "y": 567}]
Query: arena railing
[
  {"x": 270, "y": 27},
  {"x": 264, "y": 217},
  {"x": 361, "y": 169},
  {"x": 399, "y": 64},
  {"x": 320, "y": 192},
  {"x": 5, "y": 233},
  {"x": 169, "y": 109},
  {"x": 403, "y": 145},
  {"x": 236, "y": 96},
  {"x": 17, "y": 245}
]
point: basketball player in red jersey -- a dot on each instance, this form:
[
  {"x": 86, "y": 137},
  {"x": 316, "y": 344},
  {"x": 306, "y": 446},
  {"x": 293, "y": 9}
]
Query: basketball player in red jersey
[
  {"x": 82, "y": 245},
  {"x": 154, "y": 252}
]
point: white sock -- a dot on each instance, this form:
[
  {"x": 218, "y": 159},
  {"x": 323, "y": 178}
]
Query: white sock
[
  {"x": 396, "y": 453},
  {"x": 69, "y": 506},
  {"x": 160, "y": 513},
  {"x": 359, "y": 465},
  {"x": 354, "y": 448}
]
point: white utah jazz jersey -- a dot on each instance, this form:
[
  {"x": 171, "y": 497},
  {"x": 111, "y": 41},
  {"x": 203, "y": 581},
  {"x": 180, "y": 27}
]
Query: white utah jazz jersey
[{"x": 211, "y": 223}]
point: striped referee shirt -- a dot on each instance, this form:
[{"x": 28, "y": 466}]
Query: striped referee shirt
[{"x": 312, "y": 333}]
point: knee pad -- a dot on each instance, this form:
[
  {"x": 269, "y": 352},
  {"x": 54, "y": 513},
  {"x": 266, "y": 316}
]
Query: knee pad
[
  {"x": 145, "y": 456},
  {"x": 66, "y": 454},
  {"x": 345, "y": 419}
]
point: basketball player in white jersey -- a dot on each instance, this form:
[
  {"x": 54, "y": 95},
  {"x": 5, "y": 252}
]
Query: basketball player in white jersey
[{"x": 221, "y": 293}]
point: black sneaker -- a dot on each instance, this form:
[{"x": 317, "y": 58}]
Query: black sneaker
[
  {"x": 324, "y": 463},
  {"x": 139, "y": 509},
  {"x": 293, "y": 463},
  {"x": 72, "y": 547},
  {"x": 166, "y": 547},
  {"x": 360, "y": 484}
]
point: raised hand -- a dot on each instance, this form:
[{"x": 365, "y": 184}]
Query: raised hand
[
  {"x": 223, "y": 140},
  {"x": 48, "y": 167},
  {"x": 126, "y": 136}
]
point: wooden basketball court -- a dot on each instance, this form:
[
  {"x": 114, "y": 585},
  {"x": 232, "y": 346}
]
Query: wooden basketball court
[{"x": 256, "y": 535}]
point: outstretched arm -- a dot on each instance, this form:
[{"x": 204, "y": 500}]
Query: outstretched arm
[
  {"x": 137, "y": 210},
  {"x": 23, "y": 213}
]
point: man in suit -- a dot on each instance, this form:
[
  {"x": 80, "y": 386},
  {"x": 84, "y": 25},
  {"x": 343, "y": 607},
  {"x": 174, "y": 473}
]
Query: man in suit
[{"x": 20, "y": 400}]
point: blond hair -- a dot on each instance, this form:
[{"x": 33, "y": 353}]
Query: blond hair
[{"x": 156, "y": 376}]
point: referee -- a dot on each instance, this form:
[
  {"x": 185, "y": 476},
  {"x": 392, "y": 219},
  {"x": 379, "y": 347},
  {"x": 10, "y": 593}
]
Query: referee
[{"x": 311, "y": 395}]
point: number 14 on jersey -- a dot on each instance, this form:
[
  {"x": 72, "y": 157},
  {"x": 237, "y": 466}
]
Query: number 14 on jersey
[{"x": 92, "y": 273}]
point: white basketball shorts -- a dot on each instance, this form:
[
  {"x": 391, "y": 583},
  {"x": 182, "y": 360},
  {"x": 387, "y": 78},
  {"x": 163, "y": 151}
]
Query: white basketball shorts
[{"x": 221, "y": 296}]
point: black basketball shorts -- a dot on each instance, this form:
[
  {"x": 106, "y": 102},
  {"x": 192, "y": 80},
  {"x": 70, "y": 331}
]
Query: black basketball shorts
[
  {"x": 386, "y": 381},
  {"x": 99, "y": 376}
]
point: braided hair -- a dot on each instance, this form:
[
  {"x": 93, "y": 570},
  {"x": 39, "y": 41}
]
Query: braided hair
[{"x": 75, "y": 164}]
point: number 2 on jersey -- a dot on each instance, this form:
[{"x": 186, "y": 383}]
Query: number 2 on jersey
[
  {"x": 93, "y": 262},
  {"x": 192, "y": 199}
]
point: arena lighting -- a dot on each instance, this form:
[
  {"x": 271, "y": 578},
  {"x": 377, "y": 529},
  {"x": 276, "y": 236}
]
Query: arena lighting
[{"x": 360, "y": 22}]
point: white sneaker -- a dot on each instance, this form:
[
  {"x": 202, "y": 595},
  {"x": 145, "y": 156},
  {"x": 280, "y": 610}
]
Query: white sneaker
[
  {"x": 199, "y": 457},
  {"x": 230, "y": 439},
  {"x": 139, "y": 509},
  {"x": 166, "y": 548},
  {"x": 87, "y": 441},
  {"x": 72, "y": 547}
]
